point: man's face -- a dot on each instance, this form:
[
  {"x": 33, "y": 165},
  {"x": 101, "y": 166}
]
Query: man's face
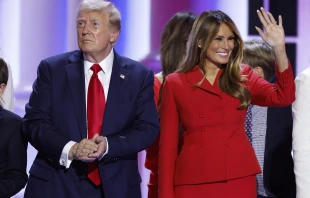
[{"x": 95, "y": 35}]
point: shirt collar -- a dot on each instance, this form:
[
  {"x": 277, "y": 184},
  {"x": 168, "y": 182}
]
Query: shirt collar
[{"x": 106, "y": 64}]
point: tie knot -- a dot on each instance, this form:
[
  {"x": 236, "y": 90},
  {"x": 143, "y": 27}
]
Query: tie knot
[{"x": 96, "y": 68}]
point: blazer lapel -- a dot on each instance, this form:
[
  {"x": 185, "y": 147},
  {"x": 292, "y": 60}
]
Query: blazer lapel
[
  {"x": 76, "y": 82},
  {"x": 119, "y": 78},
  {"x": 195, "y": 76}
]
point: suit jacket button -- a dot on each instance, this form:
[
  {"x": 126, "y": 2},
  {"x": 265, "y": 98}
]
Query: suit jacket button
[
  {"x": 201, "y": 115},
  {"x": 202, "y": 145},
  {"x": 203, "y": 129},
  {"x": 224, "y": 126},
  {"x": 223, "y": 111}
]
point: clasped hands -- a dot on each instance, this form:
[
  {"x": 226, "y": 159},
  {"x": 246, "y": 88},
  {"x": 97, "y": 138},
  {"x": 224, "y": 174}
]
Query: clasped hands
[{"x": 88, "y": 150}]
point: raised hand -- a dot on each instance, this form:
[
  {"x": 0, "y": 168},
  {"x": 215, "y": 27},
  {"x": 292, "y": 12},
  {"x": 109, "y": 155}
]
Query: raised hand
[{"x": 274, "y": 34}]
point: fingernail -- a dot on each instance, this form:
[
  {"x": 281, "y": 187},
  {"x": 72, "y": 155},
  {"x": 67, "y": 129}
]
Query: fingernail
[
  {"x": 261, "y": 8},
  {"x": 257, "y": 10}
]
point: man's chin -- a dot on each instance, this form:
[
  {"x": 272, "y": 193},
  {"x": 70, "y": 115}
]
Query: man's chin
[{"x": 86, "y": 49}]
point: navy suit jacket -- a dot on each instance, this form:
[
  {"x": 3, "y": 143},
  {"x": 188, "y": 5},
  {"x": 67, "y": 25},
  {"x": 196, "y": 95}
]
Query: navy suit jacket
[
  {"x": 56, "y": 114},
  {"x": 13, "y": 155},
  {"x": 279, "y": 176}
]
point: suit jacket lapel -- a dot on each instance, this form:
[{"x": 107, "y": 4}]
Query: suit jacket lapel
[
  {"x": 76, "y": 82},
  {"x": 195, "y": 76},
  {"x": 119, "y": 78}
]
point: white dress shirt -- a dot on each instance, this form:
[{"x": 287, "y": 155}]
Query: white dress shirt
[
  {"x": 301, "y": 134},
  {"x": 104, "y": 76}
]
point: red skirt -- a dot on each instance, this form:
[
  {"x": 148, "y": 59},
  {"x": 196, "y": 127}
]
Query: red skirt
[{"x": 237, "y": 188}]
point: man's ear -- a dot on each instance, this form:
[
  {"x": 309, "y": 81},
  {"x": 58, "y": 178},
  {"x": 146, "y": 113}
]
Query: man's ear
[
  {"x": 2, "y": 88},
  {"x": 259, "y": 71},
  {"x": 114, "y": 36}
]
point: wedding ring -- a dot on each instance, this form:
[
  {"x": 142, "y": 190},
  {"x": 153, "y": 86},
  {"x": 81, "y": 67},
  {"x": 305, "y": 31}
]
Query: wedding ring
[{"x": 274, "y": 22}]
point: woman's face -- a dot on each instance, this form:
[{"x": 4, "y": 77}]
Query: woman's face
[{"x": 220, "y": 48}]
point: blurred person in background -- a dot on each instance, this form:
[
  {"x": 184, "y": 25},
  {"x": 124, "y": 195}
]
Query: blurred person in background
[
  {"x": 301, "y": 134},
  {"x": 7, "y": 98},
  {"x": 13, "y": 146},
  {"x": 173, "y": 47},
  {"x": 271, "y": 139}
]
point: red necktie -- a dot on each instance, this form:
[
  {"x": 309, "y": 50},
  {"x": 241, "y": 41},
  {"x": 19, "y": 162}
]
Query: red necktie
[{"x": 95, "y": 112}]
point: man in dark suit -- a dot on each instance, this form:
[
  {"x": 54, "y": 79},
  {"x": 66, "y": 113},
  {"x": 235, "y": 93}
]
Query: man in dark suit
[
  {"x": 90, "y": 113},
  {"x": 13, "y": 147},
  {"x": 271, "y": 140}
]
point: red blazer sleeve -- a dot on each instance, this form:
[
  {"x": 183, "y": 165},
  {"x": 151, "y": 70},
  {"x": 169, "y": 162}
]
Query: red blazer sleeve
[
  {"x": 267, "y": 94},
  {"x": 151, "y": 161},
  {"x": 157, "y": 85},
  {"x": 169, "y": 129}
]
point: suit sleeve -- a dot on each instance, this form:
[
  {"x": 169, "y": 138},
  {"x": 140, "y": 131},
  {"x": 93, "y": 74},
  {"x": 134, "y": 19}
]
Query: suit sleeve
[
  {"x": 37, "y": 124},
  {"x": 301, "y": 134},
  {"x": 15, "y": 176},
  {"x": 143, "y": 131},
  {"x": 169, "y": 129},
  {"x": 267, "y": 94}
]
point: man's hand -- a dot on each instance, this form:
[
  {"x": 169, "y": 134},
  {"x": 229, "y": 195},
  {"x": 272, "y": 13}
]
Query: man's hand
[
  {"x": 80, "y": 151},
  {"x": 102, "y": 147}
]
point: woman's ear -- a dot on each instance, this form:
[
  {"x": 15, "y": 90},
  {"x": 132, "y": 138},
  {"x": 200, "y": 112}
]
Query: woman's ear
[{"x": 199, "y": 43}]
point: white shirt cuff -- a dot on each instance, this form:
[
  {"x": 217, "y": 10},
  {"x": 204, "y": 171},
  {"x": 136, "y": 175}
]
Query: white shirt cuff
[
  {"x": 64, "y": 160},
  {"x": 106, "y": 151}
]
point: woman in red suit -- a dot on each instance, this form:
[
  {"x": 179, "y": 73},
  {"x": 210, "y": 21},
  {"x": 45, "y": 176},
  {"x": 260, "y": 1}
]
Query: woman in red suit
[
  {"x": 209, "y": 95},
  {"x": 173, "y": 44}
]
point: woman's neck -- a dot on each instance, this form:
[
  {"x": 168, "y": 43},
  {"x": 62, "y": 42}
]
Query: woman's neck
[{"x": 211, "y": 72}]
